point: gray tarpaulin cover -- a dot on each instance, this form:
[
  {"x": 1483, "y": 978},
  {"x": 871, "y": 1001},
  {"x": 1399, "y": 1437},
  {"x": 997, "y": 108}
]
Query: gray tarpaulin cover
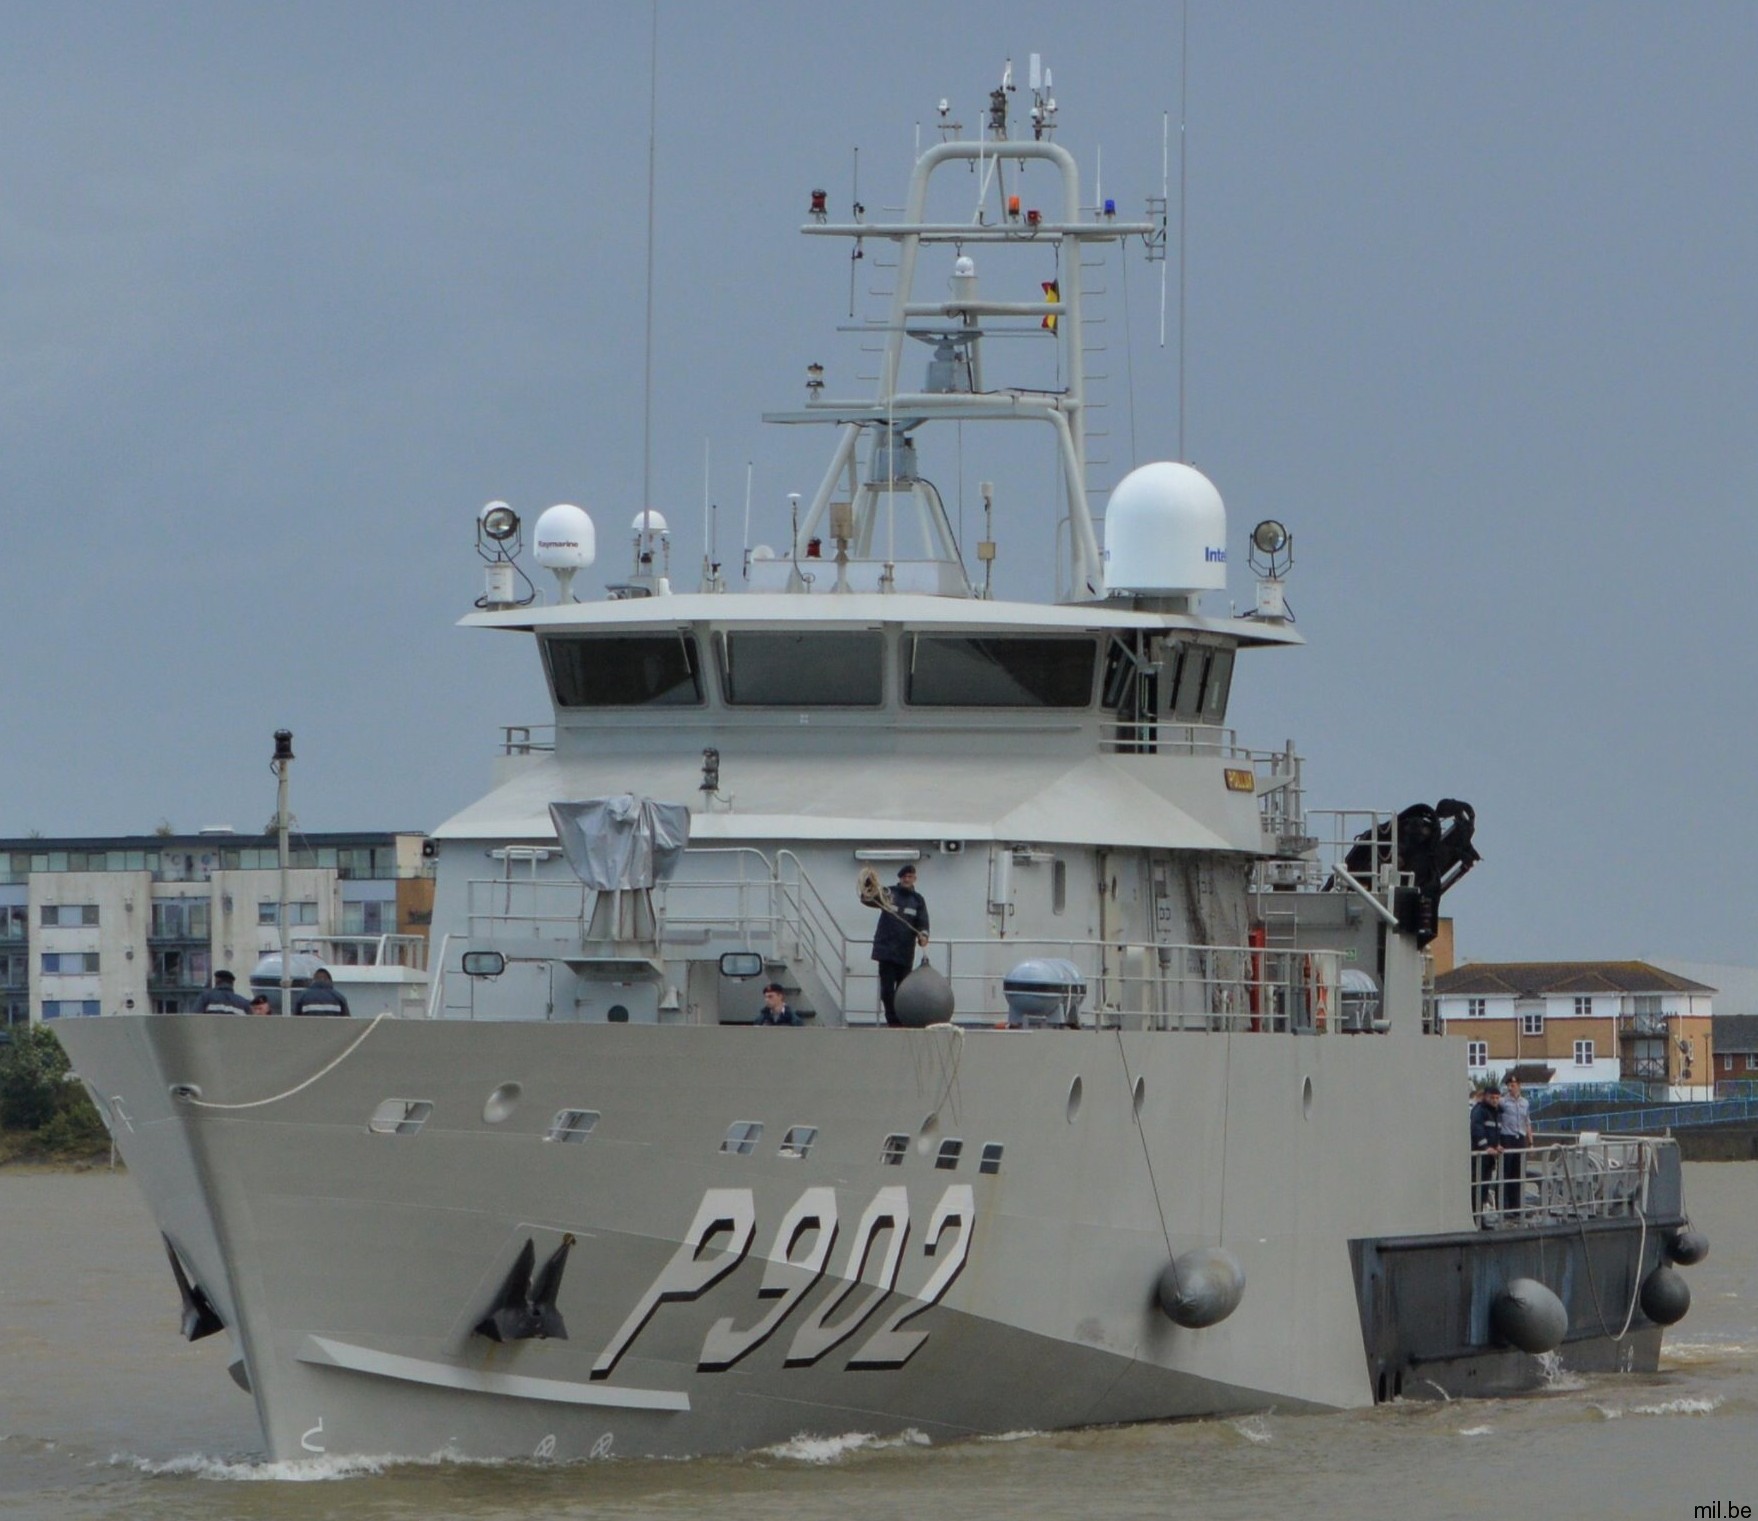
[{"x": 618, "y": 843}]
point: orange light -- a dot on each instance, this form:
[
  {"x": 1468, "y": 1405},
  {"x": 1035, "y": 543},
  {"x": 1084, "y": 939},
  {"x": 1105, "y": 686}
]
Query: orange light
[{"x": 1013, "y": 205}]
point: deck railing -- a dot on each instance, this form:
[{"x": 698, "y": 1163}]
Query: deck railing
[{"x": 1604, "y": 1178}]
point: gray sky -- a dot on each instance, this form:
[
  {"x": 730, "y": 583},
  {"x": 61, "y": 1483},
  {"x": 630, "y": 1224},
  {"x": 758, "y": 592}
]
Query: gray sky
[{"x": 290, "y": 291}]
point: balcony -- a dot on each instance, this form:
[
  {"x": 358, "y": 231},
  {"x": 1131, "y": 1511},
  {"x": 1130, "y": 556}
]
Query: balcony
[{"x": 1634, "y": 1026}]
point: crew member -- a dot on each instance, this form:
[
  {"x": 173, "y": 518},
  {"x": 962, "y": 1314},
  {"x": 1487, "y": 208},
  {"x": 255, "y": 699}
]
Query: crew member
[
  {"x": 775, "y": 1010},
  {"x": 1516, "y": 1127},
  {"x": 221, "y": 998},
  {"x": 1486, "y": 1149},
  {"x": 902, "y": 927},
  {"x": 321, "y": 996}
]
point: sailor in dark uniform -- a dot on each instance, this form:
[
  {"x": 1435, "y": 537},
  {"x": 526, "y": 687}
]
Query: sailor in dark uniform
[
  {"x": 221, "y": 998},
  {"x": 901, "y": 928},
  {"x": 321, "y": 996}
]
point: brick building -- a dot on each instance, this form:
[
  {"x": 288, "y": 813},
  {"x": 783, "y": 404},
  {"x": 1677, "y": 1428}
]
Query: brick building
[{"x": 1590, "y": 1021}]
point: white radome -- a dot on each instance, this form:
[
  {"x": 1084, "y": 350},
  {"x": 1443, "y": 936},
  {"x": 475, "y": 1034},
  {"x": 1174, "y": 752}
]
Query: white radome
[
  {"x": 650, "y": 521},
  {"x": 1165, "y": 532},
  {"x": 566, "y": 539}
]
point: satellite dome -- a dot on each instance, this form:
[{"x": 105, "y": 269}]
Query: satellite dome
[
  {"x": 565, "y": 538},
  {"x": 1165, "y": 532},
  {"x": 650, "y": 521}
]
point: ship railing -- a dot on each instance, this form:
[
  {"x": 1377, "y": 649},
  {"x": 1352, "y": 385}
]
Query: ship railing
[
  {"x": 366, "y": 950},
  {"x": 1562, "y": 1180},
  {"x": 731, "y": 898},
  {"x": 527, "y": 739},
  {"x": 1135, "y": 986},
  {"x": 1167, "y": 737}
]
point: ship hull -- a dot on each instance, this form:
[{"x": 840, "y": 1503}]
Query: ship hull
[{"x": 713, "y": 1300}]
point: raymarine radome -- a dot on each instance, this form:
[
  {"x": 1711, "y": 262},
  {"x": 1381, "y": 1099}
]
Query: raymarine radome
[{"x": 565, "y": 542}]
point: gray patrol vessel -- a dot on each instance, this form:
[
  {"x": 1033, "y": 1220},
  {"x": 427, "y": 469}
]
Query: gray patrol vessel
[{"x": 1113, "y": 1166}]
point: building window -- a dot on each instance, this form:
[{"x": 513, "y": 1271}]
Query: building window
[
  {"x": 69, "y": 915},
  {"x": 1477, "y": 1053},
  {"x": 1583, "y": 1008},
  {"x": 14, "y": 921},
  {"x": 1583, "y": 1053},
  {"x": 14, "y": 971},
  {"x": 69, "y": 1008},
  {"x": 69, "y": 963},
  {"x": 372, "y": 917},
  {"x": 268, "y": 914},
  {"x": 179, "y": 919},
  {"x": 186, "y": 969},
  {"x": 1532, "y": 1024},
  {"x": 1474, "y": 1008},
  {"x": 1727, "y": 1064}
]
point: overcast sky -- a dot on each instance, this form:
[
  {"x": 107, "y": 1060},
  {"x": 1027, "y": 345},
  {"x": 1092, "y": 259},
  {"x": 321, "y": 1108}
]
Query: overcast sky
[{"x": 290, "y": 291}]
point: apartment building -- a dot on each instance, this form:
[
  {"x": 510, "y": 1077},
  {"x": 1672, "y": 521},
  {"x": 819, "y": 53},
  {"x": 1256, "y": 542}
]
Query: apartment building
[
  {"x": 1589, "y": 1021},
  {"x": 140, "y": 923}
]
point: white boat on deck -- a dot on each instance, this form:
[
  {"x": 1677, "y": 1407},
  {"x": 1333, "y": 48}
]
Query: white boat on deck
[{"x": 1170, "y": 1133}]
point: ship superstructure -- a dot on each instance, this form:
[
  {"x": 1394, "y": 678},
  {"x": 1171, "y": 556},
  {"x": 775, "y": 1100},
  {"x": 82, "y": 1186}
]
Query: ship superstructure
[{"x": 1113, "y": 1169}]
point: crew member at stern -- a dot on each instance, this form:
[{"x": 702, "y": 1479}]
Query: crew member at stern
[{"x": 903, "y": 925}]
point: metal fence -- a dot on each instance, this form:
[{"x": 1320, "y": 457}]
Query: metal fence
[{"x": 1604, "y": 1178}]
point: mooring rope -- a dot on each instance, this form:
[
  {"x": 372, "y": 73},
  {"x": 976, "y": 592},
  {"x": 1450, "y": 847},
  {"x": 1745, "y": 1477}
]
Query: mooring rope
[{"x": 200, "y": 1103}]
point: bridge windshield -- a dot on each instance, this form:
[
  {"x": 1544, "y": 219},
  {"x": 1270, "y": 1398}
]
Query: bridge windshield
[
  {"x": 623, "y": 670},
  {"x": 1000, "y": 671},
  {"x": 805, "y": 669}
]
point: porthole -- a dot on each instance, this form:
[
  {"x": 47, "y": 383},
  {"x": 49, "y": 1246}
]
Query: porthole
[
  {"x": 501, "y": 1103},
  {"x": 1074, "y": 1098},
  {"x": 572, "y": 1126},
  {"x": 1138, "y": 1096},
  {"x": 742, "y": 1137},
  {"x": 950, "y": 1151},
  {"x": 399, "y": 1116},
  {"x": 991, "y": 1160},
  {"x": 798, "y": 1141},
  {"x": 892, "y": 1151}
]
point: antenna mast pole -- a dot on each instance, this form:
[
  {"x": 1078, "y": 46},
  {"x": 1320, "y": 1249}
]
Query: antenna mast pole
[
  {"x": 652, "y": 137},
  {"x": 1183, "y": 87}
]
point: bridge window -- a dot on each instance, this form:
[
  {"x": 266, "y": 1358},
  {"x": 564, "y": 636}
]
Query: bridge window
[
  {"x": 1195, "y": 682},
  {"x": 810, "y": 669},
  {"x": 1000, "y": 671},
  {"x": 623, "y": 670}
]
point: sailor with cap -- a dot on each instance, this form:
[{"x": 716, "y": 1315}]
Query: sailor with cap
[{"x": 221, "y": 998}]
